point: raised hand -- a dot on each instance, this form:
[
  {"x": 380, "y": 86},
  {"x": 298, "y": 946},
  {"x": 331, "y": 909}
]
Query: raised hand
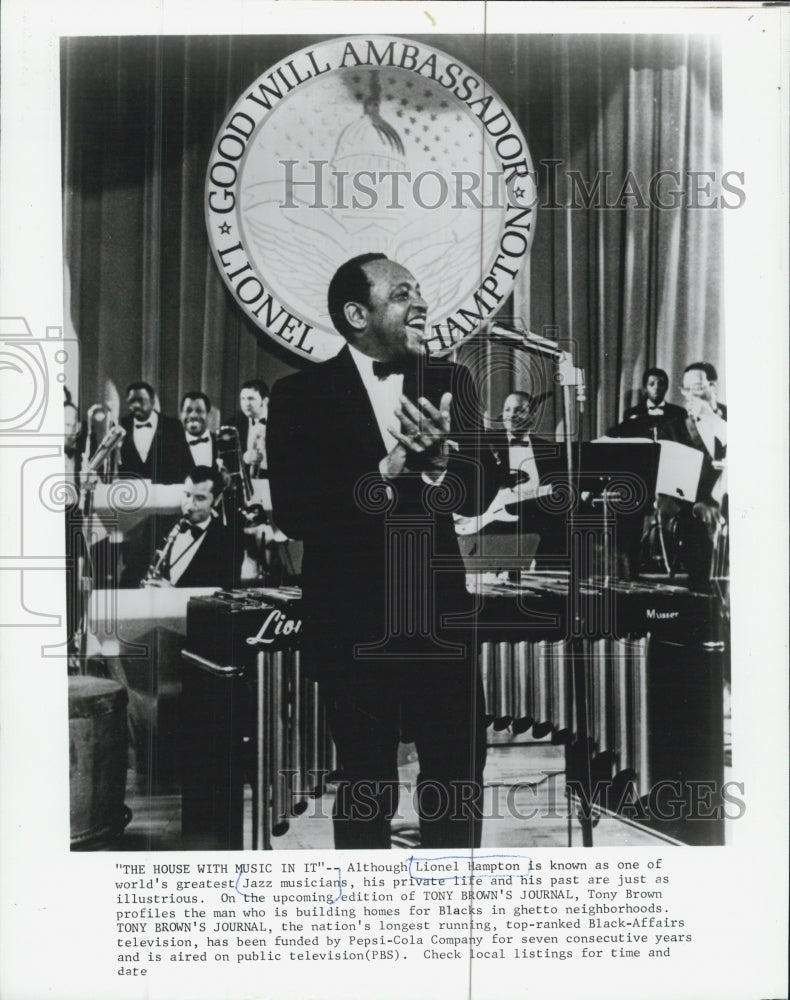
[{"x": 423, "y": 432}]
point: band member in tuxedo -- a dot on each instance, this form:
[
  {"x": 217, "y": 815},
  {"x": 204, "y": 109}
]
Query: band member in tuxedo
[
  {"x": 153, "y": 446},
  {"x": 652, "y": 412},
  {"x": 648, "y": 418},
  {"x": 369, "y": 453},
  {"x": 519, "y": 462},
  {"x": 204, "y": 551},
  {"x": 703, "y": 427},
  {"x": 518, "y": 523},
  {"x": 700, "y": 392},
  {"x": 251, "y": 425},
  {"x": 200, "y": 446}
]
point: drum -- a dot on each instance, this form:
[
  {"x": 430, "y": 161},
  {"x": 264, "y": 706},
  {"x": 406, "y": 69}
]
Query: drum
[{"x": 97, "y": 760}]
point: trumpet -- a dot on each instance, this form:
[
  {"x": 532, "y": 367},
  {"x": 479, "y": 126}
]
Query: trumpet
[
  {"x": 229, "y": 458},
  {"x": 156, "y": 569}
]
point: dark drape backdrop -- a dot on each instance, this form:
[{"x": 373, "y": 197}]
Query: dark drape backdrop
[{"x": 629, "y": 283}]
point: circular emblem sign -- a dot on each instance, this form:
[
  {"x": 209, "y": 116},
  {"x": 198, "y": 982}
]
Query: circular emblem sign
[{"x": 369, "y": 144}]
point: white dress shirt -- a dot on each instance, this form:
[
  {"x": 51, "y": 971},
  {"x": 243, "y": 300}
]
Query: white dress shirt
[
  {"x": 521, "y": 458},
  {"x": 184, "y": 549},
  {"x": 384, "y": 394},
  {"x": 202, "y": 454},
  {"x": 143, "y": 436},
  {"x": 252, "y": 430}
]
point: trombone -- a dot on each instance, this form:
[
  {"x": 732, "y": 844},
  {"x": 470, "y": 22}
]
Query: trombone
[{"x": 229, "y": 459}]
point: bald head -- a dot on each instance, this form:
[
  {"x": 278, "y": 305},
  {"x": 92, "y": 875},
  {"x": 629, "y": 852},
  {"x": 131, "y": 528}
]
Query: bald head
[{"x": 517, "y": 413}]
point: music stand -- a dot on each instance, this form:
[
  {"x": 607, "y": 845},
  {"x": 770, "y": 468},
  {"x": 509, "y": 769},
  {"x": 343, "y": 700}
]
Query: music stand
[
  {"x": 679, "y": 471},
  {"x": 618, "y": 478}
]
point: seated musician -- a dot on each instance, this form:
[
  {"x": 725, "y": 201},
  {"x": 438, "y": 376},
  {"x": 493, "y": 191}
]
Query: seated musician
[
  {"x": 516, "y": 523},
  {"x": 704, "y": 424},
  {"x": 200, "y": 550},
  {"x": 652, "y": 412}
]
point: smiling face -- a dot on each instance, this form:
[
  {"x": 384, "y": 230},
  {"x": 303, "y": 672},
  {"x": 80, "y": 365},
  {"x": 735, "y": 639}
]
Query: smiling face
[
  {"x": 516, "y": 413},
  {"x": 194, "y": 416},
  {"x": 392, "y": 325}
]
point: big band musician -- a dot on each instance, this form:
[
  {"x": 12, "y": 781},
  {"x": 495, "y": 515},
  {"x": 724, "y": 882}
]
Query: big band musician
[{"x": 369, "y": 454}]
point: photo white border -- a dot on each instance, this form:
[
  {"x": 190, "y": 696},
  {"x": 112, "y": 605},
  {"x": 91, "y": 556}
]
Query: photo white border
[{"x": 56, "y": 929}]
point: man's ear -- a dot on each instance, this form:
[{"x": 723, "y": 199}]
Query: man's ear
[{"x": 356, "y": 315}]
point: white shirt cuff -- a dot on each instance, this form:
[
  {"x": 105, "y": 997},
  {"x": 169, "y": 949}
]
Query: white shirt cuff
[{"x": 433, "y": 482}]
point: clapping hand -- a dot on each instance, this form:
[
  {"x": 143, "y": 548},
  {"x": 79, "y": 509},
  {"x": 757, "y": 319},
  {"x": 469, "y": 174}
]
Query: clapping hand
[{"x": 423, "y": 432}]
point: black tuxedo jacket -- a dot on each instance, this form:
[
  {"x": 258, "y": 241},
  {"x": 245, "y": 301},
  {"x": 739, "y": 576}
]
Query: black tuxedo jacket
[
  {"x": 637, "y": 422},
  {"x": 380, "y": 559},
  {"x": 165, "y": 460},
  {"x": 671, "y": 411},
  {"x": 183, "y": 457},
  {"x": 549, "y": 457},
  {"x": 217, "y": 563},
  {"x": 534, "y": 516}
]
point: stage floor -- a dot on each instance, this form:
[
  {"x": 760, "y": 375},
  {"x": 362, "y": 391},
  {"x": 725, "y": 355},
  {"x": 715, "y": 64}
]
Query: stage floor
[{"x": 525, "y": 806}]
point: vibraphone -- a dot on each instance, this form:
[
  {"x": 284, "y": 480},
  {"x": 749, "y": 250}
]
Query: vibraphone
[
  {"x": 627, "y": 677},
  {"x": 250, "y": 717},
  {"x": 630, "y": 681}
]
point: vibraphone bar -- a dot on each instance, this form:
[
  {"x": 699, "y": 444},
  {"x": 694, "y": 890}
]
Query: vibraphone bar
[{"x": 651, "y": 696}]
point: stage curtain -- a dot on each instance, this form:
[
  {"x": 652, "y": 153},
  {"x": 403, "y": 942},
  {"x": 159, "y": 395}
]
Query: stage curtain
[{"x": 627, "y": 283}]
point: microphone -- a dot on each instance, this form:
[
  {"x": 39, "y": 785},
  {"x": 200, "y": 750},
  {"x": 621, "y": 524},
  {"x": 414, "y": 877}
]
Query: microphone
[
  {"x": 97, "y": 413},
  {"x": 109, "y": 443},
  {"x": 524, "y": 337}
]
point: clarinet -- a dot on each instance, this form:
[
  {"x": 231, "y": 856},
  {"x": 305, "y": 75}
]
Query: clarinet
[{"x": 155, "y": 570}]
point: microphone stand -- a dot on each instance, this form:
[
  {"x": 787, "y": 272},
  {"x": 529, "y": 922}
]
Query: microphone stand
[
  {"x": 571, "y": 378},
  {"x": 78, "y": 641},
  {"x": 77, "y": 644}
]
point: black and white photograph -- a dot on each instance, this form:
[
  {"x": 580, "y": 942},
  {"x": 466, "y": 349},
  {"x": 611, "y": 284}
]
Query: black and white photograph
[
  {"x": 406, "y": 359},
  {"x": 513, "y": 544}
]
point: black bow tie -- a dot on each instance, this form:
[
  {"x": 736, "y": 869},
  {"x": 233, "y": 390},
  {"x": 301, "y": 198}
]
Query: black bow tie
[
  {"x": 193, "y": 528},
  {"x": 383, "y": 369},
  {"x": 138, "y": 426},
  {"x": 203, "y": 440},
  {"x": 656, "y": 409}
]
